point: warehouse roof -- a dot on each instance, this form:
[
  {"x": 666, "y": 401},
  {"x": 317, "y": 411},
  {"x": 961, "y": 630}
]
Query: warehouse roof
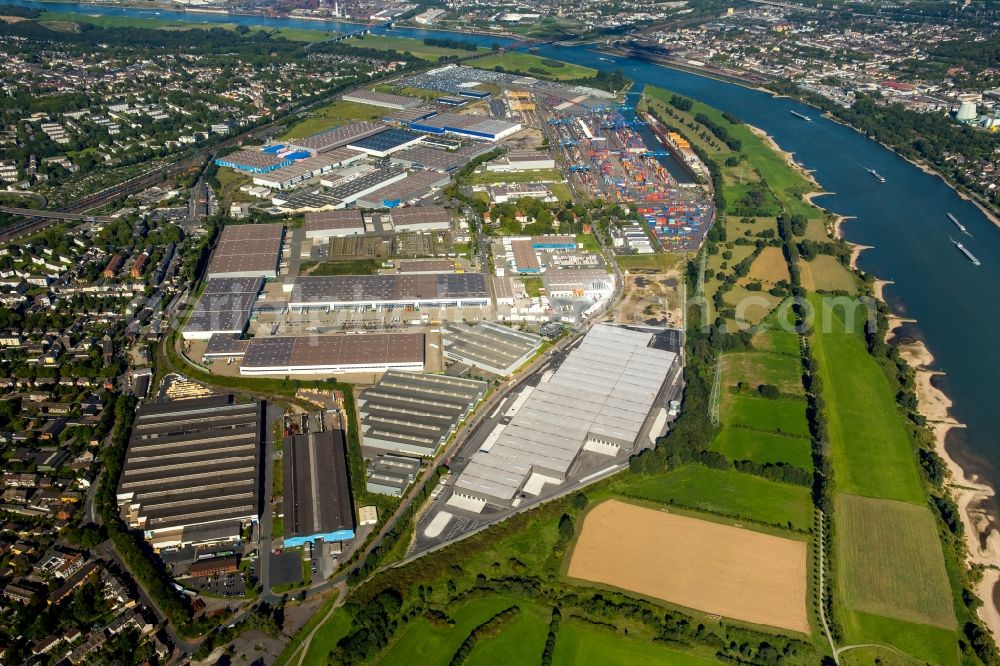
[
  {"x": 415, "y": 185},
  {"x": 224, "y": 305},
  {"x": 416, "y": 410},
  {"x": 338, "y": 136},
  {"x": 192, "y": 462},
  {"x": 440, "y": 159},
  {"x": 420, "y": 215},
  {"x": 489, "y": 346},
  {"x": 365, "y": 181},
  {"x": 350, "y": 288},
  {"x": 247, "y": 248},
  {"x": 254, "y": 159},
  {"x": 605, "y": 389},
  {"x": 334, "y": 350},
  {"x": 226, "y": 344},
  {"x": 317, "y": 498},
  {"x": 334, "y": 219},
  {"x": 426, "y": 266},
  {"x": 384, "y": 142},
  {"x": 382, "y": 99}
]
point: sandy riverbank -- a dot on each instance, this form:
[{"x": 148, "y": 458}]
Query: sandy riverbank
[{"x": 970, "y": 494}]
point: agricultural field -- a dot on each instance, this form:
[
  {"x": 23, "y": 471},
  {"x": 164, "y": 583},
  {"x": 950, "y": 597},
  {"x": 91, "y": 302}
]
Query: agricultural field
[
  {"x": 532, "y": 64},
  {"x": 769, "y": 267},
  {"x": 890, "y": 561},
  {"x": 725, "y": 492},
  {"x": 579, "y": 643},
  {"x": 332, "y": 115},
  {"x": 869, "y": 446},
  {"x": 826, "y": 273},
  {"x": 718, "y": 569}
]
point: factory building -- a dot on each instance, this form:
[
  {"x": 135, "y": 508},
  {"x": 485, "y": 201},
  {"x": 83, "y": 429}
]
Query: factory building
[
  {"x": 333, "y": 354},
  {"x": 421, "y": 218},
  {"x": 224, "y": 308},
  {"x": 254, "y": 161},
  {"x": 495, "y": 348},
  {"x": 386, "y": 292},
  {"x": 381, "y": 99},
  {"x": 521, "y": 160},
  {"x": 391, "y": 475},
  {"x": 468, "y": 125},
  {"x": 415, "y": 414},
  {"x": 602, "y": 399},
  {"x": 247, "y": 250},
  {"x": 414, "y": 186},
  {"x": 386, "y": 143},
  {"x": 337, "y": 137},
  {"x": 592, "y": 283},
  {"x": 443, "y": 159},
  {"x": 191, "y": 472},
  {"x": 317, "y": 500},
  {"x": 322, "y": 226},
  {"x": 299, "y": 172}
]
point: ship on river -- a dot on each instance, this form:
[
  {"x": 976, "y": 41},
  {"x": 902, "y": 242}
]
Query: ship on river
[
  {"x": 876, "y": 175},
  {"x": 802, "y": 116},
  {"x": 964, "y": 250},
  {"x": 961, "y": 227}
]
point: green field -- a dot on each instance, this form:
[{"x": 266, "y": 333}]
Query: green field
[
  {"x": 420, "y": 642},
  {"x": 415, "y": 47},
  {"x": 763, "y": 447},
  {"x": 64, "y": 21},
  {"x": 561, "y": 191},
  {"x": 869, "y": 446},
  {"x": 519, "y": 642},
  {"x": 536, "y": 176},
  {"x": 890, "y": 561},
  {"x": 787, "y": 417},
  {"x": 762, "y": 367},
  {"x": 826, "y": 273},
  {"x": 533, "y": 65},
  {"x": 777, "y": 340},
  {"x": 332, "y": 115},
  {"x": 725, "y": 492},
  {"x": 344, "y": 267},
  {"x": 927, "y": 644},
  {"x": 577, "y": 643},
  {"x": 661, "y": 261}
]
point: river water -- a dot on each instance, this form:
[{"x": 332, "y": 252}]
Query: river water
[{"x": 954, "y": 302}]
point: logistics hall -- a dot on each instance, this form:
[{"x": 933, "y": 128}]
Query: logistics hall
[{"x": 600, "y": 400}]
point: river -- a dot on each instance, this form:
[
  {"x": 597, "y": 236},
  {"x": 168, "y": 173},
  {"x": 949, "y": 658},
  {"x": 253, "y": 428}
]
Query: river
[{"x": 904, "y": 219}]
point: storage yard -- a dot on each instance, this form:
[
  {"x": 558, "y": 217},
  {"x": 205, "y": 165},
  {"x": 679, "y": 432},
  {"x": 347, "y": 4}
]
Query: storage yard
[{"x": 707, "y": 566}]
